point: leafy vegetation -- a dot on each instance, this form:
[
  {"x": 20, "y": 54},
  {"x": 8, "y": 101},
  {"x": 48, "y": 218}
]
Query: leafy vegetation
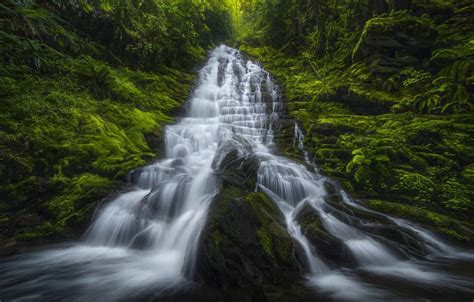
[
  {"x": 86, "y": 87},
  {"x": 384, "y": 92}
]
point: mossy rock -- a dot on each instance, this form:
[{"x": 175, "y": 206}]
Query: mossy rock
[
  {"x": 455, "y": 230},
  {"x": 394, "y": 38},
  {"x": 64, "y": 216},
  {"x": 327, "y": 246},
  {"x": 245, "y": 245}
]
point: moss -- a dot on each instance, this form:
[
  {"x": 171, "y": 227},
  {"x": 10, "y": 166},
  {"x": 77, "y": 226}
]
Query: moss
[
  {"x": 78, "y": 196},
  {"x": 451, "y": 227},
  {"x": 265, "y": 241},
  {"x": 220, "y": 208},
  {"x": 385, "y": 36},
  {"x": 313, "y": 228},
  {"x": 383, "y": 126},
  {"x": 216, "y": 239},
  {"x": 270, "y": 233},
  {"x": 230, "y": 192},
  {"x": 450, "y": 233},
  {"x": 27, "y": 236},
  {"x": 260, "y": 201},
  {"x": 67, "y": 133},
  {"x": 71, "y": 129},
  {"x": 468, "y": 173},
  {"x": 282, "y": 246}
]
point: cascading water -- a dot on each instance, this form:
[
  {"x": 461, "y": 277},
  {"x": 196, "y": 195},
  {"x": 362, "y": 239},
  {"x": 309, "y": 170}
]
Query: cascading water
[
  {"x": 292, "y": 186},
  {"x": 145, "y": 241}
]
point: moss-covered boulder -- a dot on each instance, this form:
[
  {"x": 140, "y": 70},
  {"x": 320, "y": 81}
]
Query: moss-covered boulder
[
  {"x": 235, "y": 164},
  {"x": 397, "y": 39},
  {"x": 245, "y": 247},
  {"x": 327, "y": 246}
]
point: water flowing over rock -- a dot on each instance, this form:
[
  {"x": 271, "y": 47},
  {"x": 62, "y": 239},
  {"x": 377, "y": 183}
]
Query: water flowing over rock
[{"x": 224, "y": 215}]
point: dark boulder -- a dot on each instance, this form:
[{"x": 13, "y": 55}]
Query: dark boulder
[
  {"x": 245, "y": 246},
  {"x": 235, "y": 164},
  {"x": 327, "y": 246}
]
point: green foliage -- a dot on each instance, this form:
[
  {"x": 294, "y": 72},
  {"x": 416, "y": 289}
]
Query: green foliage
[
  {"x": 144, "y": 34},
  {"x": 58, "y": 128},
  {"x": 79, "y": 195},
  {"x": 85, "y": 88},
  {"x": 360, "y": 164},
  {"x": 176, "y": 32},
  {"x": 384, "y": 92}
]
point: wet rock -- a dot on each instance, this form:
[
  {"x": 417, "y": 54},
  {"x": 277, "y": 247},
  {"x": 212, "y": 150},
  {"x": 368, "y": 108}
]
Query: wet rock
[
  {"x": 451, "y": 228},
  {"x": 378, "y": 226},
  {"x": 245, "y": 246},
  {"x": 202, "y": 293},
  {"x": 327, "y": 246},
  {"x": 235, "y": 163}
]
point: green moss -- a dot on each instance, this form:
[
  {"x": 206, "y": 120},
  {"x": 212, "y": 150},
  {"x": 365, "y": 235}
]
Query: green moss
[
  {"x": 378, "y": 126},
  {"x": 216, "y": 239},
  {"x": 4, "y": 220},
  {"x": 77, "y": 197},
  {"x": 55, "y": 132},
  {"x": 393, "y": 27},
  {"x": 265, "y": 241},
  {"x": 468, "y": 173},
  {"x": 451, "y": 227},
  {"x": 30, "y": 236},
  {"x": 271, "y": 235},
  {"x": 313, "y": 229},
  {"x": 261, "y": 202},
  {"x": 73, "y": 125}
]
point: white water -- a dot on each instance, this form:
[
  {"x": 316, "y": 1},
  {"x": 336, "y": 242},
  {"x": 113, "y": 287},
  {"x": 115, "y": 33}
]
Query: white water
[
  {"x": 292, "y": 186},
  {"x": 145, "y": 241}
]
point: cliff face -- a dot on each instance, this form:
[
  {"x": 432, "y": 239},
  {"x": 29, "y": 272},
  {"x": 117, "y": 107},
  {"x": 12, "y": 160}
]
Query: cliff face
[{"x": 384, "y": 92}]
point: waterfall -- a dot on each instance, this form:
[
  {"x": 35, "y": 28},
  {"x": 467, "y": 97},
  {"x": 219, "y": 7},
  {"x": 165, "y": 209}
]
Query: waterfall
[{"x": 145, "y": 240}]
